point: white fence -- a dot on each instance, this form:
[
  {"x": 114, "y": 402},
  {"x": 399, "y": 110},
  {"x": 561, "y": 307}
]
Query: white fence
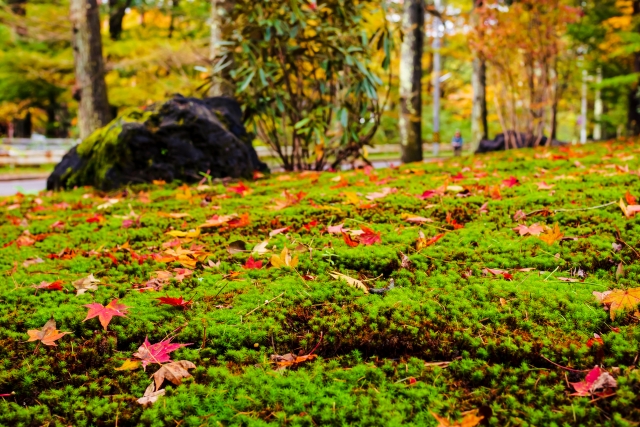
[{"x": 32, "y": 152}]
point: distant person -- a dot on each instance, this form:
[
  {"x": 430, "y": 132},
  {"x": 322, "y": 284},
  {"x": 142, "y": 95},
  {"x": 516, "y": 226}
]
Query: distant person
[{"x": 456, "y": 144}]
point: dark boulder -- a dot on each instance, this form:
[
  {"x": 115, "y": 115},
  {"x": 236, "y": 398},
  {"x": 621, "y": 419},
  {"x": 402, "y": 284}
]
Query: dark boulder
[
  {"x": 173, "y": 140},
  {"x": 519, "y": 140}
]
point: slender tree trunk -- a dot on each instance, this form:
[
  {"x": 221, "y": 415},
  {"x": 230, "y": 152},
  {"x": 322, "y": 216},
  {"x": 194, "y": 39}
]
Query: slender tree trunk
[
  {"x": 176, "y": 4},
  {"x": 221, "y": 84},
  {"x": 437, "y": 68},
  {"x": 633, "y": 117},
  {"x": 117, "y": 10},
  {"x": 89, "y": 66},
  {"x": 411, "y": 81},
  {"x": 19, "y": 7},
  {"x": 597, "y": 109},
  {"x": 479, "y": 124}
]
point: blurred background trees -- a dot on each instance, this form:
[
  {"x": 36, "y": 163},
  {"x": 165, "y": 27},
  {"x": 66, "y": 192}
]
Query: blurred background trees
[{"x": 317, "y": 77}]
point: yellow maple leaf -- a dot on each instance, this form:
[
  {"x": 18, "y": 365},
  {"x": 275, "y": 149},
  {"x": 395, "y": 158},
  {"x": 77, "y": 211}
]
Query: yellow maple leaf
[
  {"x": 284, "y": 259},
  {"x": 129, "y": 365},
  {"x": 621, "y": 300},
  {"x": 552, "y": 235}
]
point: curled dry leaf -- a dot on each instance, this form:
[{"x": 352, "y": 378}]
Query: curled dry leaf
[
  {"x": 355, "y": 283},
  {"x": 173, "y": 372},
  {"x": 596, "y": 379},
  {"x": 47, "y": 335},
  {"x": 150, "y": 395},
  {"x": 85, "y": 284}
]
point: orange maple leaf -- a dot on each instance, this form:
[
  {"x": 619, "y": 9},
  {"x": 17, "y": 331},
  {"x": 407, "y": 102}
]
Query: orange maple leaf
[
  {"x": 552, "y": 235},
  {"x": 47, "y": 335}
]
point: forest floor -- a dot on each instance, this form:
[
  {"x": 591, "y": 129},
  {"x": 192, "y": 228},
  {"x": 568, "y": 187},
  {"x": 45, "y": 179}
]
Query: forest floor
[{"x": 473, "y": 291}]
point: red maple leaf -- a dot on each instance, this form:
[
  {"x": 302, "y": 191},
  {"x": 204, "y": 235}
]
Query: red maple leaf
[
  {"x": 428, "y": 194},
  {"x": 240, "y": 189},
  {"x": 369, "y": 237},
  {"x": 243, "y": 221},
  {"x": 349, "y": 241},
  {"x": 310, "y": 225},
  {"x": 595, "y": 339},
  {"x": 105, "y": 314},
  {"x": 54, "y": 286},
  {"x": 458, "y": 177},
  {"x": 512, "y": 181},
  {"x": 96, "y": 218},
  {"x": 451, "y": 221},
  {"x": 252, "y": 264},
  {"x": 156, "y": 353},
  {"x": 176, "y": 302}
]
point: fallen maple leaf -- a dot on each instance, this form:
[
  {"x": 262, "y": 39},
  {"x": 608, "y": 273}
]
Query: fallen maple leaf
[
  {"x": 630, "y": 210},
  {"x": 54, "y": 286},
  {"x": 174, "y": 372},
  {"x": 150, "y": 395},
  {"x": 355, "y": 283},
  {"x": 156, "y": 353},
  {"x": 32, "y": 261},
  {"x": 252, "y": 264},
  {"x": 105, "y": 313},
  {"x": 278, "y": 231},
  {"x": 260, "y": 248},
  {"x": 512, "y": 181},
  {"x": 544, "y": 186},
  {"x": 129, "y": 365},
  {"x": 243, "y": 221},
  {"x": 416, "y": 219},
  {"x": 96, "y": 218},
  {"x": 349, "y": 241},
  {"x": 596, "y": 379},
  {"x": 284, "y": 259},
  {"x": 534, "y": 229},
  {"x": 484, "y": 208},
  {"x": 621, "y": 300},
  {"x": 471, "y": 419},
  {"x": 423, "y": 242},
  {"x": 176, "y": 302},
  {"x": 336, "y": 229},
  {"x": 240, "y": 189},
  {"x": 382, "y": 193},
  {"x": 552, "y": 235},
  {"x": 595, "y": 339},
  {"x": 497, "y": 272},
  {"x": 630, "y": 198},
  {"x": 369, "y": 237},
  {"x": 47, "y": 335},
  {"x": 85, "y": 284}
]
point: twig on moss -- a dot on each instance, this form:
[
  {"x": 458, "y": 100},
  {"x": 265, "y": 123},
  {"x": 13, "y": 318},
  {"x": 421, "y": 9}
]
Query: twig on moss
[
  {"x": 265, "y": 303},
  {"x": 564, "y": 367},
  {"x": 570, "y": 210}
]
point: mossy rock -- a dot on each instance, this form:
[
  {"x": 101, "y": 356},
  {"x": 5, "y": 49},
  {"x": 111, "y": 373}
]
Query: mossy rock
[{"x": 174, "y": 140}]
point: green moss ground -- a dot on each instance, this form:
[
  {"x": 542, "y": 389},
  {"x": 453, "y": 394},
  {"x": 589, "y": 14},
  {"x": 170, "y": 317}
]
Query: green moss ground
[{"x": 497, "y": 334}]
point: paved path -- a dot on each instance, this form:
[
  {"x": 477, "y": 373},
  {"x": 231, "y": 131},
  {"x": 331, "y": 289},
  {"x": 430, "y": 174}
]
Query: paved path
[{"x": 8, "y": 188}]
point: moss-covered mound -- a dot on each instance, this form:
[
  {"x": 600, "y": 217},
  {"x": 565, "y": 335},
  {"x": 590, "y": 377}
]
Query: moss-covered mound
[
  {"x": 175, "y": 140},
  {"x": 480, "y": 317}
]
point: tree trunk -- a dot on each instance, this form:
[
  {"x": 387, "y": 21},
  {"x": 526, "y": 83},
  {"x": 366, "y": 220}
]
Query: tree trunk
[
  {"x": 22, "y": 127},
  {"x": 221, "y": 83},
  {"x": 19, "y": 7},
  {"x": 176, "y": 4},
  {"x": 437, "y": 68},
  {"x": 93, "y": 112},
  {"x": 410, "y": 81},
  {"x": 479, "y": 124},
  {"x": 633, "y": 117},
  {"x": 117, "y": 10}
]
